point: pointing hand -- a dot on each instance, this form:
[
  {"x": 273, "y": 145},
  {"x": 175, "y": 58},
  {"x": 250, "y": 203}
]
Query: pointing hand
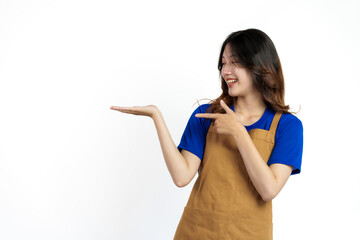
[{"x": 225, "y": 123}]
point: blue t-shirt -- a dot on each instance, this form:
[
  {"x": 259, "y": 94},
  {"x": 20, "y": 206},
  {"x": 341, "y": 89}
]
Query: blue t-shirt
[{"x": 288, "y": 139}]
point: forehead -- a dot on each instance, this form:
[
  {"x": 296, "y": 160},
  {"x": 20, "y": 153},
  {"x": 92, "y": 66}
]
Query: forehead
[{"x": 227, "y": 52}]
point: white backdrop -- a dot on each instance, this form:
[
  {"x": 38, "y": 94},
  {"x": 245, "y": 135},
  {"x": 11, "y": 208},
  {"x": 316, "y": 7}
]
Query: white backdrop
[{"x": 70, "y": 168}]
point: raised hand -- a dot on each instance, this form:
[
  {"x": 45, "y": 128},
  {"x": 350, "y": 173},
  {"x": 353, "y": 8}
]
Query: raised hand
[
  {"x": 149, "y": 110},
  {"x": 180, "y": 171},
  {"x": 225, "y": 123}
]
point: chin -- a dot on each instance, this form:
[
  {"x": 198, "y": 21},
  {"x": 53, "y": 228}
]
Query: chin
[
  {"x": 234, "y": 94},
  {"x": 239, "y": 92}
]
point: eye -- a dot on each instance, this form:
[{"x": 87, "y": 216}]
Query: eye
[{"x": 231, "y": 62}]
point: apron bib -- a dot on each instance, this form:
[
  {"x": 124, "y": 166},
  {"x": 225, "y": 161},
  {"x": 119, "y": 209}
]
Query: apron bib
[{"x": 224, "y": 204}]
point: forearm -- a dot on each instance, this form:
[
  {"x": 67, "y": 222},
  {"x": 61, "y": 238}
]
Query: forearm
[
  {"x": 264, "y": 180},
  {"x": 175, "y": 162},
  {"x": 268, "y": 181}
]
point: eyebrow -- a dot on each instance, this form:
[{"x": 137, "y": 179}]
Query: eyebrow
[{"x": 230, "y": 56}]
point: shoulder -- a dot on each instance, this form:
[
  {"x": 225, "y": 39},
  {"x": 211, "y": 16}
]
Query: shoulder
[
  {"x": 289, "y": 121},
  {"x": 202, "y": 108},
  {"x": 203, "y": 123},
  {"x": 288, "y": 142},
  {"x": 289, "y": 128},
  {"x": 194, "y": 136}
]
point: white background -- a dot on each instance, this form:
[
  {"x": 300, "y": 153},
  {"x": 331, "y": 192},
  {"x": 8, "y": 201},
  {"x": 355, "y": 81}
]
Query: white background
[{"x": 70, "y": 168}]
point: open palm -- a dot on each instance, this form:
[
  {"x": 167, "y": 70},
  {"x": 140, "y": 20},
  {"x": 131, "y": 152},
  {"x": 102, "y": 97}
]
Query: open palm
[{"x": 148, "y": 110}]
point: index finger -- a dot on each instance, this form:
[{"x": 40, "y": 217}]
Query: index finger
[
  {"x": 226, "y": 107},
  {"x": 206, "y": 115}
]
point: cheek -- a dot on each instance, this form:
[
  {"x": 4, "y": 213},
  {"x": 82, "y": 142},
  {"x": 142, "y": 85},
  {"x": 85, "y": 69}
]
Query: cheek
[{"x": 243, "y": 77}]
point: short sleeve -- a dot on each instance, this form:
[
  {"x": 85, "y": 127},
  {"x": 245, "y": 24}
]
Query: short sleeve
[
  {"x": 288, "y": 147},
  {"x": 194, "y": 136}
]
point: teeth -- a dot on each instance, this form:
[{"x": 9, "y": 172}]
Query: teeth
[{"x": 231, "y": 81}]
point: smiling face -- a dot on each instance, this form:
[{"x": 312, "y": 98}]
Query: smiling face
[{"x": 238, "y": 78}]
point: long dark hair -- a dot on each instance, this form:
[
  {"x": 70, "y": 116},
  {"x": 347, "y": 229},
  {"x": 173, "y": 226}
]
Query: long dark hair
[{"x": 255, "y": 51}]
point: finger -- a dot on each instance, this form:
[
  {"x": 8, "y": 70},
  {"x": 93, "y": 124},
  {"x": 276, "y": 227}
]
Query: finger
[
  {"x": 206, "y": 115},
  {"x": 119, "y": 108},
  {"x": 131, "y": 110},
  {"x": 225, "y": 107}
]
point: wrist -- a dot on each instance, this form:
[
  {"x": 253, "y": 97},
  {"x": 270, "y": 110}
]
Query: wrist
[
  {"x": 239, "y": 131},
  {"x": 156, "y": 114}
]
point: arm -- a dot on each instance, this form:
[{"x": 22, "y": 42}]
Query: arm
[
  {"x": 268, "y": 181},
  {"x": 182, "y": 166}
]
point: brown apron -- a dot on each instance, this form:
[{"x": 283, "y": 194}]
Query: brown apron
[{"x": 224, "y": 203}]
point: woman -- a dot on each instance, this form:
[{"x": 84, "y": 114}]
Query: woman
[{"x": 245, "y": 144}]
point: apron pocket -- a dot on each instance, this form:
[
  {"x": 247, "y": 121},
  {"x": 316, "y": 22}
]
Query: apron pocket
[
  {"x": 241, "y": 228},
  {"x": 201, "y": 224}
]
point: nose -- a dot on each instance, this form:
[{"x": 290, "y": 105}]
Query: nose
[{"x": 227, "y": 69}]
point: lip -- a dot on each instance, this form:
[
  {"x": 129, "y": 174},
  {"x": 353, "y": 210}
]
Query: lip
[{"x": 230, "y": 84}]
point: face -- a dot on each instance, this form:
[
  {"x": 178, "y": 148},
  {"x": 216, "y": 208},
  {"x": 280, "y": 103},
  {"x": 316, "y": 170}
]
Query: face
[{"x": 237, "y": 78}]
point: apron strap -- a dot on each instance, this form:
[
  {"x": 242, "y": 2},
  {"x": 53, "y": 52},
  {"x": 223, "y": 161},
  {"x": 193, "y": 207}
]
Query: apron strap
[{"x": 275, "y": 122}]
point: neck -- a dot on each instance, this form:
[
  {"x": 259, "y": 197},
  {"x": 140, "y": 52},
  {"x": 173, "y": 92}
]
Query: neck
[{"x": 249, "y": 105}]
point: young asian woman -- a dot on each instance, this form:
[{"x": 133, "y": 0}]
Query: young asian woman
[{"x": 244, "y": 145}]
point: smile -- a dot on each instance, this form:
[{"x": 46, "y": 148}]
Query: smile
[{"x": 231, "y": 81}]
